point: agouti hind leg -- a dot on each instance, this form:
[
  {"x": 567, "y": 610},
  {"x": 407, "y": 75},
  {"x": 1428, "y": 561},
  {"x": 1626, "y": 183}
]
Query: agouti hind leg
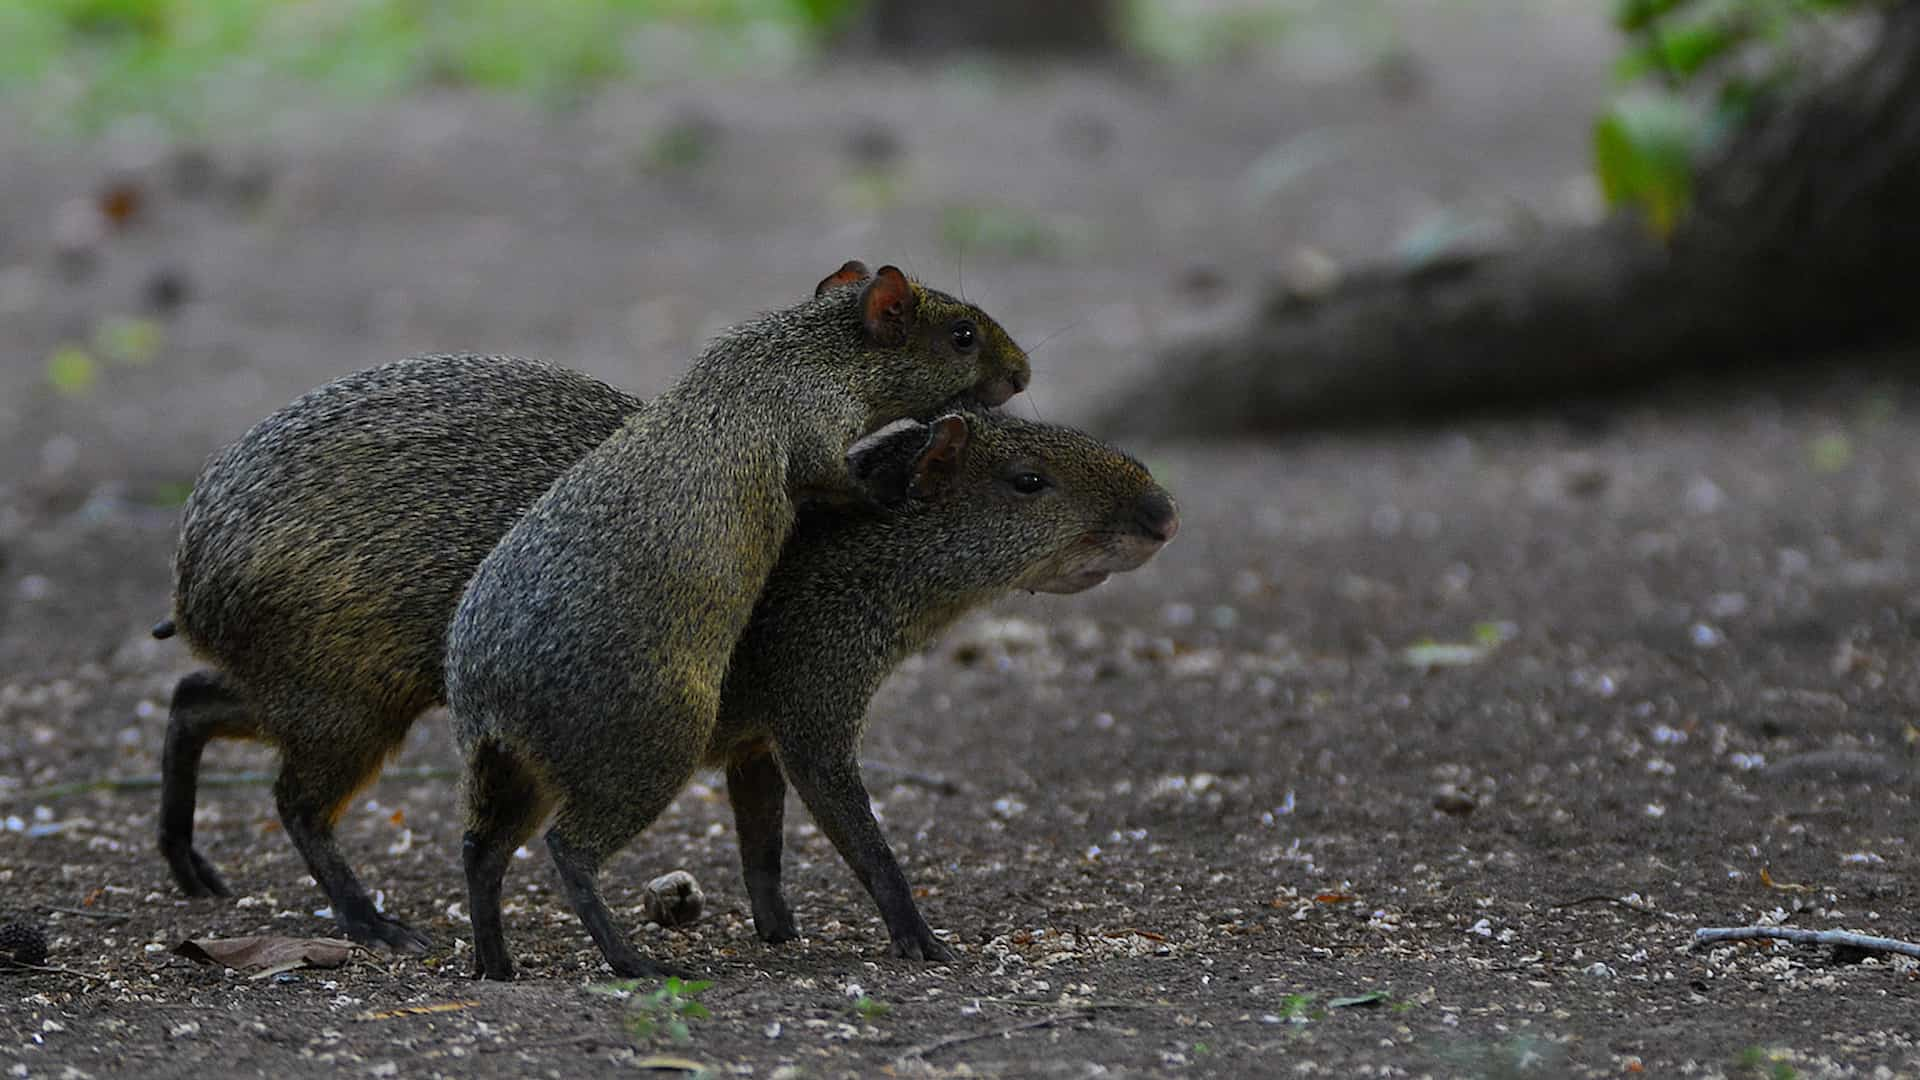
[
  {"x": 206, "y": 705},
  {"x": 828, "y": 780},
  {"x": 578, "y": 849},
  {"x": 327, "y": 756},
  {"x": 504, "y": 805},
  {"x": 758, "y": 792}
]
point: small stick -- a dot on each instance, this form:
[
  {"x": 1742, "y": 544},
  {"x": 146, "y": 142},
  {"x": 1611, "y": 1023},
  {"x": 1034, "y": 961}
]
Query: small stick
[
  {"x": 900, "y": 774},
  {"x": 44, "y": 969},
  {"x": 1836, "y": 938},
  {"x": 924, "y": 1049},
  {"x": 240, "y": 779},
  {"x": 109, "y": 916},
  {"x": 1600, "y": 898}
]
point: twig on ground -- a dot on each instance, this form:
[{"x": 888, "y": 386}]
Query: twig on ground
[
  {"x": 1839, "y": 939},
  {"x": 900, "y": 774},
  {"x": 1640, "y": 906},
  {"x": 240, "y": 779},
  {"x": 1037, "y": 1003},
  {"x": 49, "y": 970},
  {"x": 106, "y": 916},
  {"x": 926, "y": 1048}
]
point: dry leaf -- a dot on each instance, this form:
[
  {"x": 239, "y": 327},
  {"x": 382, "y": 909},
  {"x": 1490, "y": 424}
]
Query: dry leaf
[{"x": 267, "y": 951}]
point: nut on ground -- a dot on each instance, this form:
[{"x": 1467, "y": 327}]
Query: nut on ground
[{"x": 674, "y": 899}]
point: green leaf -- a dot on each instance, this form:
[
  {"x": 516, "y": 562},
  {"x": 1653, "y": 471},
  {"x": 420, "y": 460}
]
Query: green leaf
[
  {"x": 71, "y": 370},
  {"x": 1634, "y": 15},
  {"x": 128, "y": 341},
  {"x": 1643, "y": 149}
]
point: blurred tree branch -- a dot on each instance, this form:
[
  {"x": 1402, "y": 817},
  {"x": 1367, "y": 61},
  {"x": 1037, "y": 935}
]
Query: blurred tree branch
[{"x": 1801, "y": 235}]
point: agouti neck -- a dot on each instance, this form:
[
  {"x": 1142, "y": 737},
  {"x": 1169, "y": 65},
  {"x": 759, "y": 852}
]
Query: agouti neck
[{"x": 809, "y": 420}]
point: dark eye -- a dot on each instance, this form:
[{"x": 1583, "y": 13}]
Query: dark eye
[
  {"x": 964, "y": 336},
  {"x": 1030, "y": 483}
]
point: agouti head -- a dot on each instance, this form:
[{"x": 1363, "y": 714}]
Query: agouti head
[
  {"x": 1017, "y": 504},
  {"x": 962, "y": 351}
]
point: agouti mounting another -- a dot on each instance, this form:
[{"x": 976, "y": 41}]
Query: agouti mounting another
[
  {"x": 500, "y": 430},
  {"x": 589, "y": 648},
  {"x": 323, "y": 553}
]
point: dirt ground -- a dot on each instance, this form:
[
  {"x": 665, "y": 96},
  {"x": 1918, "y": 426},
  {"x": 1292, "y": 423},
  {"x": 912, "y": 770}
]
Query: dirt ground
[{"x": 1194, "y": 811}]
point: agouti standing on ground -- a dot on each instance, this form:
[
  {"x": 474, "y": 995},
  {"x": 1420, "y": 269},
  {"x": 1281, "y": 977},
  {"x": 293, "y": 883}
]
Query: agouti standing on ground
[
  {"x": 585, "y": 660},
  {"x": 320, "y": 559},
  {"x": 998, "y": 504}
]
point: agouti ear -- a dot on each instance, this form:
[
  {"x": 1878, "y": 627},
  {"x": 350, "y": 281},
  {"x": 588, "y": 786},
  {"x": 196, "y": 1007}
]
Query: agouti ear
[
  {"x": 854, "y": 270},
  {"x": 939, "y": 460},
  {"x": 887, "y": 307},
  {"x": 881, "y": 466}
]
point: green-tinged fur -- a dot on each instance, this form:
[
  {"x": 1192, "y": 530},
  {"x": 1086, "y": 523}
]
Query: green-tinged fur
[{"x": 589, "y": 649}]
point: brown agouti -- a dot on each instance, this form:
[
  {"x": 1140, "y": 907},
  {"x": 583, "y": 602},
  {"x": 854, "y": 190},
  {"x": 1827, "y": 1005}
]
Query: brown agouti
[
  {"x": 589, "y": 648},
  {"x": 996, "y": 504},
  {"x": 985, "y": 503}
]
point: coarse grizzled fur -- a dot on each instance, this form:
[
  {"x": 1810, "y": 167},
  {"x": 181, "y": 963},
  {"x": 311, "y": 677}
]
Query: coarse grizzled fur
[
  {"x": 319, "y": 562},
  {"x": 584, "y": 662}
]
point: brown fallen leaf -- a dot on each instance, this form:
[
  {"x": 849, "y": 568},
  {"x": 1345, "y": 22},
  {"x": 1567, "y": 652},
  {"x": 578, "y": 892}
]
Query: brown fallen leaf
[
  {"x": 267, "y": 951},
  {"x": 1334, "y": 898}
]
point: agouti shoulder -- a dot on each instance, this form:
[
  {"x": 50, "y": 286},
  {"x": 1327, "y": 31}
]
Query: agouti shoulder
[{"x": 585, "y": 659}]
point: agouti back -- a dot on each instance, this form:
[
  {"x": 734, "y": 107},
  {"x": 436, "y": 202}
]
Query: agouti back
[
  {"x": 320, "y": 559},
  {"x": 985, "y": 503},
  {"x": 589, "y": 648}
]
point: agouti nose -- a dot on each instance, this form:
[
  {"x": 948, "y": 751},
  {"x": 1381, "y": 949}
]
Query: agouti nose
[{"x": 1157, "y": 516}]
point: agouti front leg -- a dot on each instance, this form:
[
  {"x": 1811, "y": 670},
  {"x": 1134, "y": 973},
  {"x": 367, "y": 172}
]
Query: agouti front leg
[
  {"x": 759, "y": 795},
  {"x": 828, "y": 780}
]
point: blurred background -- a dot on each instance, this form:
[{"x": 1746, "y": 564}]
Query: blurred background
[{"x": 1536, "y": 377}]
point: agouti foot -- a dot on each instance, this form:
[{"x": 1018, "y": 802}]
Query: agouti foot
[
  {"x": 776, "y": 928},
  {"x": 194, "y": 874},
  {"x": 392, "y": 933},
  {"x": 924, "y": 947}
]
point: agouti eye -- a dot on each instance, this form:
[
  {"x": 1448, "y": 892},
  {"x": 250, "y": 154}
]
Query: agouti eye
[
  {"x": 1030, "y": 483},
  {"x": 964, "y": 336}
]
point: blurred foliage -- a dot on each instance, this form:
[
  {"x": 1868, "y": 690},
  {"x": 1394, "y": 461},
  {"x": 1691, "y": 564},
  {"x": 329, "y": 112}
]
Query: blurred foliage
[
  {"x": 81, "y": 64},
  {"x": 1695, "y": 69}
]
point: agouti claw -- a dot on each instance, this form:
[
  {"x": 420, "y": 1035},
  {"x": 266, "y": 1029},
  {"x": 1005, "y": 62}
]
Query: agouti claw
[
  {"x": 928, "y": 948},
  {"x": 392, "y": 933}
]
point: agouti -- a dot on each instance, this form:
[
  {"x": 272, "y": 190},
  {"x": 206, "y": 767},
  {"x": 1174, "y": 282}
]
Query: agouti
[
  {"x": 319, "y": 562},
  {"x": 996, "y": 504},
  {"x": 589, "y": 648},
  {"x": 985, "y": 503}
]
